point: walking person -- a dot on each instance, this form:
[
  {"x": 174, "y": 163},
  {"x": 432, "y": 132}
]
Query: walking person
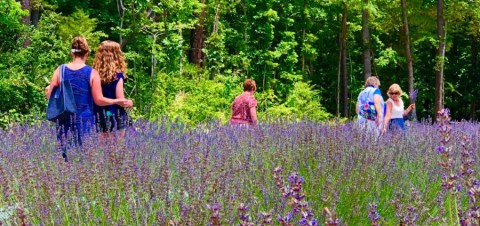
[
  {"x": 370, "y": 106},
  {"x": 86, "y": 87},
  {"x": 111, "y": 66},
  {"x": 395, "y": 114},
  {"x": 244, "y": 107}
]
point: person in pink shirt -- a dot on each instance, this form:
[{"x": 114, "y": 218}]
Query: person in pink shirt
[{"x": 244, "y": 107}]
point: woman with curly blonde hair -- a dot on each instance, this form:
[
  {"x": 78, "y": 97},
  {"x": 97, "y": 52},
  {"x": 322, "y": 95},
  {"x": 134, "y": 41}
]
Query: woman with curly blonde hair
[
  {"x": 87, "y": 90},
  {"x": 110, "y": 64}
]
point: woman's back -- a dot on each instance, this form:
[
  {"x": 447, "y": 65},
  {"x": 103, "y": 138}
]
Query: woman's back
[
  {"x": 241, "y": 109},
  {"x": 80, "y": 82},
  {"x": 109, "y": 91}
]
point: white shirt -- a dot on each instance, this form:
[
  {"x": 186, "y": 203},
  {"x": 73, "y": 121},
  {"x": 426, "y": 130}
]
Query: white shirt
[{"x": 397, "y": 111}]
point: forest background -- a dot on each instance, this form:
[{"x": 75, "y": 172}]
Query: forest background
[{"x": 188, "y": 58}]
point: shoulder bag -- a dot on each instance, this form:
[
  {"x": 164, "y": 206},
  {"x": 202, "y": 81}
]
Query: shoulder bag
[{"x": 61, "y": 105}]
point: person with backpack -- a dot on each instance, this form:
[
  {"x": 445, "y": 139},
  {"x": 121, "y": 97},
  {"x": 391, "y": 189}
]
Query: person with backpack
[{"x": 371, "y": 106}]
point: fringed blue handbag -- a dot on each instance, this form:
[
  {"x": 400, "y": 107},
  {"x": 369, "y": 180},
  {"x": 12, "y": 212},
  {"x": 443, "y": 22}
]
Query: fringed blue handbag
[{"x": 61, "y": 105}]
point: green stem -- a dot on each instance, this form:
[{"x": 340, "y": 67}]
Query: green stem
[{"x": 453, "y": 199}]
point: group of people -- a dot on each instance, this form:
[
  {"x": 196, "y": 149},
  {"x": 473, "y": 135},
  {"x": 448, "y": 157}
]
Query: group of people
[
  {"x": 100, "y": 100},
  {"x": 98, "y": 93},
  {"x": 376, "y": 115}
]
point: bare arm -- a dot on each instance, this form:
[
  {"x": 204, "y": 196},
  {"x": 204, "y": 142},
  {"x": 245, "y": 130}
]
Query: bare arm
[
  {"x": 253, "y": 114},
  {"x": 54, "y": 82},
  {"x": 410, "y": 108},
  {"x": 378, "y": 107},
  {"x": 387, "y": 115},
  {"x": 357, "y": 107},
  {"x": 97, "y": 94},
  {"x": 120, "y": 93}
]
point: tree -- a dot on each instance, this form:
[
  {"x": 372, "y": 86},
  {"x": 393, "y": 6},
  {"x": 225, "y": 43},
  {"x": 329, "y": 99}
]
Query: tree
[
  {"x": 367, "y": 60},
  {"x": 408, "y": 53},
  {"x": 343, "y": 47},
  {"x": 197, "y": 38},
  {"x": 439, "y": 77}
]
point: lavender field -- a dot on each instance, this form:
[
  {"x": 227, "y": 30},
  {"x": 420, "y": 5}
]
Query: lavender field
[{"x": 277, "y": 174}]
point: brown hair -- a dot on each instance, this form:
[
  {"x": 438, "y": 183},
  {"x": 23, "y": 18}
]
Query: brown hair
[
  {"x": 249, "y": 85},
  {"x": 109, "y": 60},
  {"x": 80, "y": 46}
]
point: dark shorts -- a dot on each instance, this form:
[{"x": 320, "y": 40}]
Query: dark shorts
[{"x": 105, "y": 121}]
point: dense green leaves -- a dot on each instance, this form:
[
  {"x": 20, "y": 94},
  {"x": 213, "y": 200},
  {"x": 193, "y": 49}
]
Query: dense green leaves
[{"x": 286, "y": 46}]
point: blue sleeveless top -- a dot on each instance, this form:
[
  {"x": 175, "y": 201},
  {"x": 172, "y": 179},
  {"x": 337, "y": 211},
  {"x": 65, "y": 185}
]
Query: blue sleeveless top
[
  {"x": 109, "y": 91},
  {"x": 80, "y": 81}
]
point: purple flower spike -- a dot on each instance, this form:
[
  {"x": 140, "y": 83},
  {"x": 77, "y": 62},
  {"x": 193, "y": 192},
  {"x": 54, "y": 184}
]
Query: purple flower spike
[
  {"x": 413, "y": 96},
  {"x": 373, "y": 215}
]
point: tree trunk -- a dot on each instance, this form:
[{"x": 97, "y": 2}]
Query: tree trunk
[
  {"x": 26, "y": 19},
  {"x": 121, "y": 14},
  {"x": 408, "y": 52},
  {"x": 303, "y": 32},
  {"x": 26, "y": 6},
  {"x": 367, "y": 63},
  {"x": 344, "y": 60},
  {"x": 439, "y": 83},
  {"x": 197, "y": 39}
]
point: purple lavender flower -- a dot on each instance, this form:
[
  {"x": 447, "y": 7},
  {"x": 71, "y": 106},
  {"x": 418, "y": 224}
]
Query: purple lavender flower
[
  {"x": 214, "y": 215},
  {"x": 285, "y": 220},
  {"x": 244, "y": 217},
  {"x": 266, "y": 218},
  {"x": 413, "y": 96},
  {"x": 373, "y": 215}
]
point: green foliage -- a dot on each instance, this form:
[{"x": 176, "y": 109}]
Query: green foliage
[
  {"x": 11, "y": 27},
  {"x": 194, "y": 100},
  {"x": 280, "y": 44},
  {"x": 79, "y": 23},
  {"x": 302, "y": 102}
]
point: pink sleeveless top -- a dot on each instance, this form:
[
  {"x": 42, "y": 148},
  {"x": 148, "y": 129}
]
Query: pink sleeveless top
[{"x": 241, "y": 109}]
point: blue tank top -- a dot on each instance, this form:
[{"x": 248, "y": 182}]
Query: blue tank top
[
  {"x": 109, "y": 91},
  {"x": 80, "y": 81}
]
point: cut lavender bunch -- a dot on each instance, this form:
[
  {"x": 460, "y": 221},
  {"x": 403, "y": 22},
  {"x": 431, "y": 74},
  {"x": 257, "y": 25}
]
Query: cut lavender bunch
[{"x": 413, "y": 96}]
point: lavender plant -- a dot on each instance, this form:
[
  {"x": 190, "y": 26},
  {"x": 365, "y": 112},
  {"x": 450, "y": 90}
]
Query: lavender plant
[
  {"x": 449, "y": 178},
  {"x": 166, "y": 173},
  {"x": 296, "y": 197}
]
